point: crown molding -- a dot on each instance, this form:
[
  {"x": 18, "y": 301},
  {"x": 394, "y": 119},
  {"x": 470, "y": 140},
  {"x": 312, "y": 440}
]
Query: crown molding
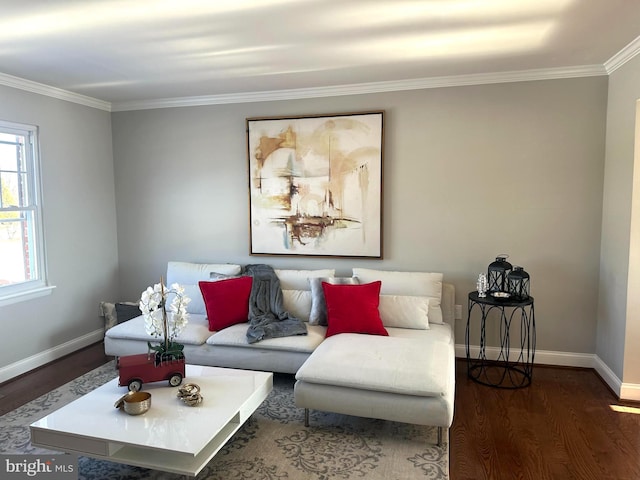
[
  {"x": 365, "y": 88},
  {"x": 623, "y": 56},
  {"x": 54, "y": 92},
  {"x": 318, "y": 92}
]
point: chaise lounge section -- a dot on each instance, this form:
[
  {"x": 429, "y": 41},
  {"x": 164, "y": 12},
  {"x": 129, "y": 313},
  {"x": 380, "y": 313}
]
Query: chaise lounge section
[{"x": 408, "y": 376}]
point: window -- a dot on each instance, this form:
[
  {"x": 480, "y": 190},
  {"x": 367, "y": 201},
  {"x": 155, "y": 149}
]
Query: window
[{"x": 22, "y": 262}]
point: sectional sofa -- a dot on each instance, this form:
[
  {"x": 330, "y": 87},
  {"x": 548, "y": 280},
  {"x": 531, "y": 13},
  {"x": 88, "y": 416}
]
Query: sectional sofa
[{"x": 405, "y": 373}]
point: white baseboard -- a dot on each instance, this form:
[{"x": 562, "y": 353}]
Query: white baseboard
[
  {"x": 624, "y": 391},
  {"x": 42, "y": 358},
  {"x": 608, "y": 376},
  {"x": 542, "y": 357}
]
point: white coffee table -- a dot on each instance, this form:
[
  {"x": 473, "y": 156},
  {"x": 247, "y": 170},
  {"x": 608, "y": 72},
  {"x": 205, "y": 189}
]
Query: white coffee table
[{"x": 171, "y": 436}]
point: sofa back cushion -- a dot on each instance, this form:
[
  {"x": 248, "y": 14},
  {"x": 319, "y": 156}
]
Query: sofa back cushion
[
  {"x": 404, "y": 311},
  {"x": 421, "y": 284},
  {"x": 296, "y": 291},
  {"x": 297, "y": 303},
  {"x": 189, "y": 274},
  {"x": 299, "y": 279}
]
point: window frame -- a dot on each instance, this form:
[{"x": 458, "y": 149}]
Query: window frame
[{"x": 39, "y": 285}]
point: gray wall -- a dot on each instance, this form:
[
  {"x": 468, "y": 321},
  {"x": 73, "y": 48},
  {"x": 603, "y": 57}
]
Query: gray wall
[
  {"x": 79, "y": 224},
  {"x": 618, "y": 329},
  {"x": 470, "y": 172}
]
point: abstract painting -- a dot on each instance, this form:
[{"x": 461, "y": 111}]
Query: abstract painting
[{"x": 315, "y": 185}]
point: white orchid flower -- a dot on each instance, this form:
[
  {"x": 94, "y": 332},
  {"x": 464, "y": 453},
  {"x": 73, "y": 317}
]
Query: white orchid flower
[{"x": 154, "y": 306}]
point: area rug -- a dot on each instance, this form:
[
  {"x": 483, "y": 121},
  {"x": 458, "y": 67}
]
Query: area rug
[{"x": 272, "y": 444}]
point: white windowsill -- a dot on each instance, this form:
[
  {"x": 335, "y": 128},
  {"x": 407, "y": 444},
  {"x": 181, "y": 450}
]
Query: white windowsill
[{"x": 26, "y": 295}]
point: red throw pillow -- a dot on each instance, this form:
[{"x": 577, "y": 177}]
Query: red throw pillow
[
  {"x": 226, "y": 301},
  {"x": 353, "y": 309}
]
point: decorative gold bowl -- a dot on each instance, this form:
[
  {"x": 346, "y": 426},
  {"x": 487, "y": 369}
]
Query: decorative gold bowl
[{"x": 135, "y": 403}]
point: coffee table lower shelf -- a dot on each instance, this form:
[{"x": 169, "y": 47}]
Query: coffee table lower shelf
[
  {"x": 58, "y": 430},
  {"x": 180, "y": 463}
]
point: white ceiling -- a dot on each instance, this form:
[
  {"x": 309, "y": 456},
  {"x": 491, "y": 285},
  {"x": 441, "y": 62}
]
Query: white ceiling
[{"x": 124, "y": 51}]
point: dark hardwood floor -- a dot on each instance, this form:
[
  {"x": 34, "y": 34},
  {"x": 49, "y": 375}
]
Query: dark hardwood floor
[
  {"x": 31, "y": 385},
  {"x": 566, "y": 425}
]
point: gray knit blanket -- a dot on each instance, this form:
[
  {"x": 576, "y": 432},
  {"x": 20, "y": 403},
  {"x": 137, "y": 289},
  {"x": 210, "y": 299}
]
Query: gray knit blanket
[{"x": 267, "y": 316}]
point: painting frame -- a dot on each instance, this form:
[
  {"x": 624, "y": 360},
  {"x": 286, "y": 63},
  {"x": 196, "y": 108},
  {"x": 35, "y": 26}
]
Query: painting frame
[{"x": 316, "y": 184}]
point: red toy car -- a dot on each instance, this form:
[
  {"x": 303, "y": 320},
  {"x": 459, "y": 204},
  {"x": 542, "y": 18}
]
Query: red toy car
[{"x": 150, "y": 367}]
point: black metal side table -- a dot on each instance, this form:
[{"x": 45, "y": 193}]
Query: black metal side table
[{"x": 512, "y": 368}]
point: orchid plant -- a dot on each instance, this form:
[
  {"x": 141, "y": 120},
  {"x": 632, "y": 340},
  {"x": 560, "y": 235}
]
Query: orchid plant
[{"x": 162, "y": 323}]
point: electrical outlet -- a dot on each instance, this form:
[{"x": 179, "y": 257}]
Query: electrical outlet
[{"x": 458, "y": 312}]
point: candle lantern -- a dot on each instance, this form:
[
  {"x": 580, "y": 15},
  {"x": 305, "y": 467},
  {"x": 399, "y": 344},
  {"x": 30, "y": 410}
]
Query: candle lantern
[
  {"x": 518, "y": 284},
  {"x": 497, "y": 274}
]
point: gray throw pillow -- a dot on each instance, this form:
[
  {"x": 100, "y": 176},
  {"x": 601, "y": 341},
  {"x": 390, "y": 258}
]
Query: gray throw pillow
[{"x": 318, "y": 315}]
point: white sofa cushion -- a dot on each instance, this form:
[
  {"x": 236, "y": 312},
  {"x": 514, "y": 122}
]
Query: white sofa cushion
[
  {"x": 404, "y": 311},
  {"x": 195, "y": 333},
  {"x": 189, "y": 274},
  {"x": 423, "y": 284},
  {"x": 236, "y": 336},
  {"x": 409, "y": 362},
  {"x": 296, "y": 291},
  {"x": 299, "y": 279},
  {"x": 297, "y": 303}
]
